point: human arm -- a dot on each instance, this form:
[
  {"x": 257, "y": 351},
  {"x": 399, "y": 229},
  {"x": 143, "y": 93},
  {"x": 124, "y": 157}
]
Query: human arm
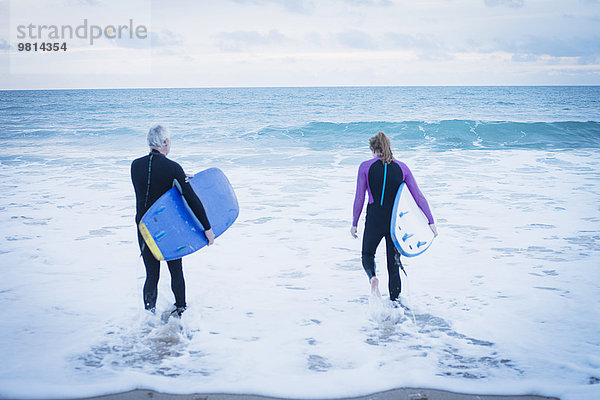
[
  {"x": 210, "y": 236},
  {"x": 359, "y": 199},
  {"x": 433, "y": 229},
  {"x": 411, "y": 183},
  {"x": 194, "y": 202}
]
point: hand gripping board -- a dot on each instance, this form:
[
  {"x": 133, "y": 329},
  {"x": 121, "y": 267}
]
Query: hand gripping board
[{"x": 170, "y": 228}]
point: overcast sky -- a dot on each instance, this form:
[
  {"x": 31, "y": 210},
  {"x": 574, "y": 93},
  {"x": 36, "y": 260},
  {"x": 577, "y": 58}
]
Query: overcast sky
[{"x": 312, "y": 43}]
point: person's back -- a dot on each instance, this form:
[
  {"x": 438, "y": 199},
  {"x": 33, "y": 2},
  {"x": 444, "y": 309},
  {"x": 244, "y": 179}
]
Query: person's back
[
  {"x": 381, "y": 177},
  {"x": 376, "y": 173},
  {"x": 152, "y": 176},
  {"x": 162, "y": 173}
]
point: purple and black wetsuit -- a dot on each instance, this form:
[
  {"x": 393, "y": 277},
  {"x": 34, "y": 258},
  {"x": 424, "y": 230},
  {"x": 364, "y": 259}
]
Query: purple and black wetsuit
[{"x": 381, "y": 182}]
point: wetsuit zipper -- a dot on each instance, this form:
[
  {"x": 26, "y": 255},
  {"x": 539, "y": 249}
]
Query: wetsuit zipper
[{"x": 384, "y": 179}]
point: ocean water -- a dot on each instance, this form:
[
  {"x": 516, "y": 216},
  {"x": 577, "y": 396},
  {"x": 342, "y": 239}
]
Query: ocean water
[{"x": 506, "y": 301}]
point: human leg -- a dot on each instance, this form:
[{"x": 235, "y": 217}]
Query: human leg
[
  {"x": 152, "y": 275},
  {"x": 371, "y": 239},
  {"x": 177, "y": 282},
  {"x": 393, "y": 265}
]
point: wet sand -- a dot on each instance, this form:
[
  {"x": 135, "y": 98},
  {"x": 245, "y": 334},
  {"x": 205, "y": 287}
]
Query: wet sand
[{"x": 396, "y": 394}]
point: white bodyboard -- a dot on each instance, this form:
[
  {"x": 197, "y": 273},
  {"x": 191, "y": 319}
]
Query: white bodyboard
[{"x": 409, "y": 227}]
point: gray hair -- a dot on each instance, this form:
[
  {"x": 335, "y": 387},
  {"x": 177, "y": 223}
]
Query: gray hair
[{"x": 157, "y": 136}]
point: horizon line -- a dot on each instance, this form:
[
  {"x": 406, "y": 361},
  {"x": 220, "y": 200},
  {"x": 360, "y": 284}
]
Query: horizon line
[{"x": 289, "y": 87}]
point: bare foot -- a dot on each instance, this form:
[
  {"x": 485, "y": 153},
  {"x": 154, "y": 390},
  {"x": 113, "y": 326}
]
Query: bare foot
[{"x": 375, "y": 286}]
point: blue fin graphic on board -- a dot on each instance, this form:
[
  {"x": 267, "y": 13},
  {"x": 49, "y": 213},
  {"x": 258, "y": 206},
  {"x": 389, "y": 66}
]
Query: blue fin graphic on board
[
  {"x": 402, "y": 214},
  {"x": 160, "y": 235},
  {"x": 406, "y": 236},
  {"x": 419, "y": 244}
]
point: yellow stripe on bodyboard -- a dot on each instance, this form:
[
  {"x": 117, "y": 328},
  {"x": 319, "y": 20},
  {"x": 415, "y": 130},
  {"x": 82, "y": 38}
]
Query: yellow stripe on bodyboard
[{"x": 150, "y": 242}]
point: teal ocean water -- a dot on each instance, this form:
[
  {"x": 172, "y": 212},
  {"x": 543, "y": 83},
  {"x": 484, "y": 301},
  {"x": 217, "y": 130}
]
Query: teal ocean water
[
  {"x": 506, "y": 300},
  {"x": 443, "y": 118}
]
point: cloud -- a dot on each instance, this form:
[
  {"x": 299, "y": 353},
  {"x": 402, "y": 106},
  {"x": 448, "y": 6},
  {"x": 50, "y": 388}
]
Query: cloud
[
  {"x": 244, "y": 40},
  {"x": 587, "y": 60},
  {"x": 4, "y": 45},
  {"x": 165, "y": 38},
  {"x": 418, "y": 41},
  {"x": 524, "y": 57},
  {"x": 551, "y": 46},
  {"x": 586, "y": 50},
  {"x": 425, "y": 46},
  {"x": 356, "y": 39},
  {"x": 132, "y": 43},
  {"x": 92, "y": 3},
  {"x": 369, "y": 2},
  {"x": 505, "y": 3},
  {"x": 293, "y": 6}
]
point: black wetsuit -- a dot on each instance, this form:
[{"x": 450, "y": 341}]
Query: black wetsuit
[
  {"x": 377, "y": 224},
  {"x": 161, "y": 175},
  {"x": 372, "y": 175}
]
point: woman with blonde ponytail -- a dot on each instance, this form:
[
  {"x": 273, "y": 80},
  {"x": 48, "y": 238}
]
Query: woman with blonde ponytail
[
  {"x": 380, "y": 146},
  {"x": 381, "y": 177}
]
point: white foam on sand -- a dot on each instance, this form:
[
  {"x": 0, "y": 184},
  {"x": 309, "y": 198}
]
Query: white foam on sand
[{"x": 506, "y": 300}]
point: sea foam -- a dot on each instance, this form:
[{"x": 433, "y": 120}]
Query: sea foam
[{"x": 505, "y": 301}]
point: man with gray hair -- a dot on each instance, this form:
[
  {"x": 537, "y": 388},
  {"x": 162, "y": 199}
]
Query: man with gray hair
[{"x": 152, "y": 176}]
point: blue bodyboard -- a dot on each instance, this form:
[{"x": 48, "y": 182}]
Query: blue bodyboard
[{"x": 170, "y": 228}]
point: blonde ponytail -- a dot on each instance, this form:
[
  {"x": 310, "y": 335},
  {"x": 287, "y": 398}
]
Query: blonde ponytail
[{"x": 380, "y": 144}]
